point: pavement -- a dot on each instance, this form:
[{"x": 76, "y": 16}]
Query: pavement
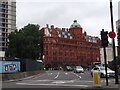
[{"x": 21, "y": 79}]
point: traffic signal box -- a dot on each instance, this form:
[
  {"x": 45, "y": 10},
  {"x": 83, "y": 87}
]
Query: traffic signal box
[{"x": 104, "y": 38}]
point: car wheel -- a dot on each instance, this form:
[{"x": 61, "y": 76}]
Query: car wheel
[
  {"x": 92, "y": 74},
  {"x": 101, "y": 75}
]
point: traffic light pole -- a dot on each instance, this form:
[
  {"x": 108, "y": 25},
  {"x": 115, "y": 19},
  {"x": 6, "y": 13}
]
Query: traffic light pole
[
  {"x": 113, "y": 40},
  {"x": 104, "y": 43},
  {"x": 105, "y": 61}
]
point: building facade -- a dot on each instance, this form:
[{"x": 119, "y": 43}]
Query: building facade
[
  {"x": 118, "y": 35},
  {"x": 71, "y": 46},
  {"x": 109, "y": 53},
  {"x": 7, "y": 23}
]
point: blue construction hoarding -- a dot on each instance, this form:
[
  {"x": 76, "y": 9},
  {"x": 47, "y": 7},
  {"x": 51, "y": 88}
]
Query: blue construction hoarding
[{"x": 9, "y": 66}]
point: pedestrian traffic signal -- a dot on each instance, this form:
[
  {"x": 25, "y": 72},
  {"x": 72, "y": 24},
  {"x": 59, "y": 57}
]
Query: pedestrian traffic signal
[{"x": 104, "y": 38}]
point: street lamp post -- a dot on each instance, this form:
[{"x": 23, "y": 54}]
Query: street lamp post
[{"x": 113, "y": 40}]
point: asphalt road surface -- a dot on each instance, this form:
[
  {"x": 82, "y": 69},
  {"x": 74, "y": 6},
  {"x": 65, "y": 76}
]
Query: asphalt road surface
[{"x": 56, "y": 79}]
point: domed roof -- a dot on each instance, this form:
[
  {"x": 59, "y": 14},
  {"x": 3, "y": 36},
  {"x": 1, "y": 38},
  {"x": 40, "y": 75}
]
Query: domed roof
[{"x": 75, "y": 25}]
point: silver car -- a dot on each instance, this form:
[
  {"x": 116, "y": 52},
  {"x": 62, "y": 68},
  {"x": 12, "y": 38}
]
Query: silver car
[
  {"x": 78, "y": 69},
  {"x": 102, "y": 73}
]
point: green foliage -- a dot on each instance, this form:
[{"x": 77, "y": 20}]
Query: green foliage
[
  {"x": 25, "y": 43},
  {"x": 112, "y": 63}
]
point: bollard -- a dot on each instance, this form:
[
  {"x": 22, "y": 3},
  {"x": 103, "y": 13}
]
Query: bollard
[{"x": 96, "y": 79}]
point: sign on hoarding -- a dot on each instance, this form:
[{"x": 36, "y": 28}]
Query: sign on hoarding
[
  {"x": 2, "y": 54},
  {"x": 9, "y": 66}
]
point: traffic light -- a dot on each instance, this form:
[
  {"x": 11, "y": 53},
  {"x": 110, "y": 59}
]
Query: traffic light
[{"x": 104, "y": 38}]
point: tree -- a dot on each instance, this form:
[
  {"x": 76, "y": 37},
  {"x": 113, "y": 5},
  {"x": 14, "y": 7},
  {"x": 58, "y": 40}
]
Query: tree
[
  {"x": 25, "y": 43},
  {"x": 112, "y": 63}
]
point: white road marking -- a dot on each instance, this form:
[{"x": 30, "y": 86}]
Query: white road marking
[
  {"x": 58, "y": 82},
  {"x": 66, "y": 73},
  {"x": 11, "y": 80},
  {"x": 105, "y": 80},
  {"x": 54, "y": 85},
  {"x": 44, "y": 80},
  {"x": 50, "y": 73},
  {"x": 84, "y": 81},
  {"x": 57, "y": 75},
  {"x": 63, "y": 81},
  {"x": 77, "y": 75}
]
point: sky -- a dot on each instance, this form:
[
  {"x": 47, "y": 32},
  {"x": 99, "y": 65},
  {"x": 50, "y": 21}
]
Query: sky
[{"x": 92, "y": 15}]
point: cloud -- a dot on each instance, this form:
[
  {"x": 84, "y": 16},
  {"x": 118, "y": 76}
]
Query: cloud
[{"x": 92, "y": 16}]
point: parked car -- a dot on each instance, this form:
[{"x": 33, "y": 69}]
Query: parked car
[
  {"x": 101, "y": 71},
  {"x": 68, "y": 68},
  {"x": 78, "y": 69}
]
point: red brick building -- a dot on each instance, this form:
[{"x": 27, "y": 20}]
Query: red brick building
[{"x": 69, "y": 46}]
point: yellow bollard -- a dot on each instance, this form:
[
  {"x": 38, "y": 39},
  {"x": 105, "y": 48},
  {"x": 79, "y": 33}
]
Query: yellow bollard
[{"x": 96, "y": 79}]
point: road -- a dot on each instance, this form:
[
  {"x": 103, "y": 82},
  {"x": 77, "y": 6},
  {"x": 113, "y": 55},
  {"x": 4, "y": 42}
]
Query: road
[{"x": 56, "y": 79}]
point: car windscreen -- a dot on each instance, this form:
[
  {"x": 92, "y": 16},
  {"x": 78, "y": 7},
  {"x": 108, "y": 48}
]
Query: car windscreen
[
  {"x": 103, "y": 68},
  {"x": 78, "y": 67}
]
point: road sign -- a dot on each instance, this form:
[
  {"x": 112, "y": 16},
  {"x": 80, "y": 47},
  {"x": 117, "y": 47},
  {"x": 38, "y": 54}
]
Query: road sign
[{"x": 112, "y": 34}]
